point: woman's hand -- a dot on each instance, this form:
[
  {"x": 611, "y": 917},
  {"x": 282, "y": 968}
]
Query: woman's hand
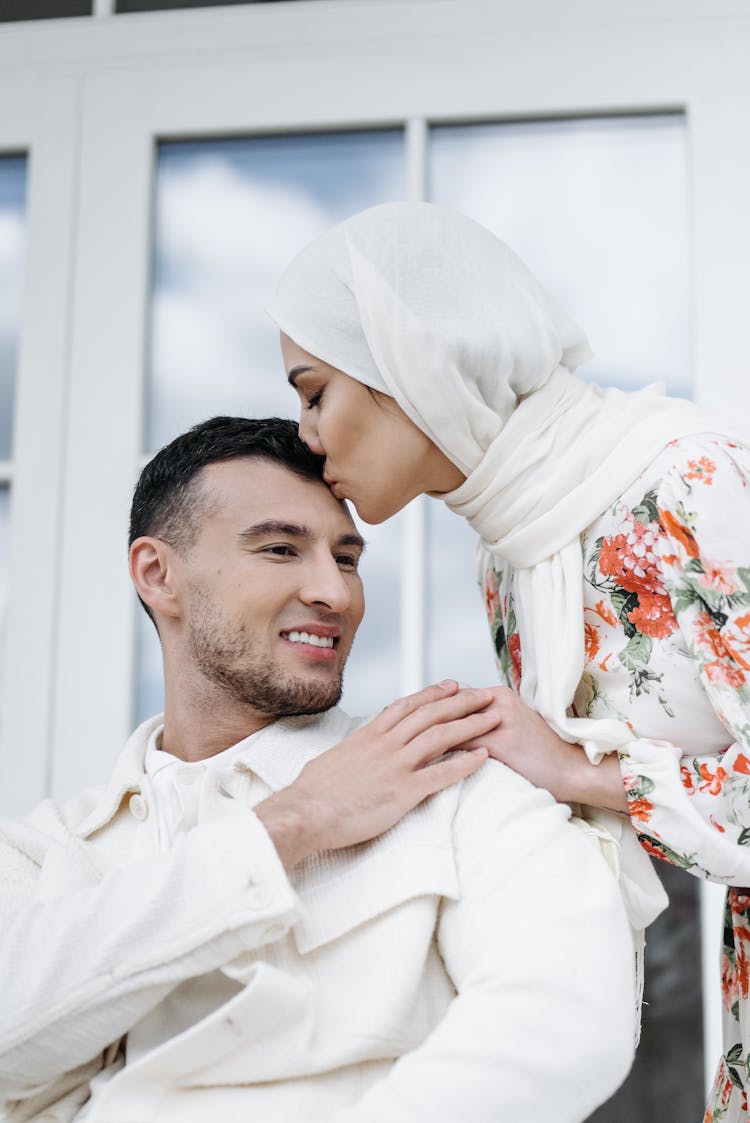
[{"x": 526, "y": 743}]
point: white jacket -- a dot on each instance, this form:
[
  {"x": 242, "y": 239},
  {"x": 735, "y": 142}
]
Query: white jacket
[{"x": 472, "y": 964}]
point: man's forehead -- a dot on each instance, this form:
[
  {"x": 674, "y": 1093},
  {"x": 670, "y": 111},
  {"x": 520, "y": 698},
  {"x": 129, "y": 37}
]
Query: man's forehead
[{"x": 254, "y": 490}]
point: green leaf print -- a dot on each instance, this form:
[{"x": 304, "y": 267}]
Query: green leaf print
[
  {"x": 647, "y": 510},
  {"x": 734, "y": 1076},
  {"x": 744, "y": 575},
  {"x": 735, "y": 1054},
  {"x": 744, "y": 838},
  {"x": 636, "y": 652}
]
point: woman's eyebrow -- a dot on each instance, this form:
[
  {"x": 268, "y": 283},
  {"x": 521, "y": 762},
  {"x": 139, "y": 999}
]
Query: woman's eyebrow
[{"x": 295, "y": 372}]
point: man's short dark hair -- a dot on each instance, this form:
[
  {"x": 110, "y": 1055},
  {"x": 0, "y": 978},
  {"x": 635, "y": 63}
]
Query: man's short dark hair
[{"x": 168, "y": 501}]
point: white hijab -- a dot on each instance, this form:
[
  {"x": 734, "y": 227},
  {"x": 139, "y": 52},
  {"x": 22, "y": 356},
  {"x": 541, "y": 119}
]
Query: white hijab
[{"x": 426, "y": 305}]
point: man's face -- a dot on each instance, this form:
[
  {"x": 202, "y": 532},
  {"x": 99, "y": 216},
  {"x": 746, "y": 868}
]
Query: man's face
[{"x": 273, "y": 597}]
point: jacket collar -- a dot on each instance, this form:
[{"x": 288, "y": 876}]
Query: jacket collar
[{"x": 276, "y": 754}]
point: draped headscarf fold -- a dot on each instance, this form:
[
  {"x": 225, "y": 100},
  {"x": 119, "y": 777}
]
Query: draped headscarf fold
[{"x": 426, "y": 305}]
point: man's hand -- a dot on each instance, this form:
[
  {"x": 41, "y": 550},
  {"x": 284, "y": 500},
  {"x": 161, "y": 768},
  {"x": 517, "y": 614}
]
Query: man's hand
[{"x": 367, "y": 783}]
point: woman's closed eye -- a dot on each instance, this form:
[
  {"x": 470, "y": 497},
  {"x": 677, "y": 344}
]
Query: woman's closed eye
[{"x": 314, "y": 399}]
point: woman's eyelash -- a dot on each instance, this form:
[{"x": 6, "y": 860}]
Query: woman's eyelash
[{"x": 313, "y": 401}]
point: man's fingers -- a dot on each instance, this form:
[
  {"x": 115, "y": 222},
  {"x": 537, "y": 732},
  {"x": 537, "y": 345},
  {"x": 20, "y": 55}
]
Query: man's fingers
[
  {"x": 443, "y": 737},
  {"x": 402, "y": 707},
  {"x": 440, "y": 711}
]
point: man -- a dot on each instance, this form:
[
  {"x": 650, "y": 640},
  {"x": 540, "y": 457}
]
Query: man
[{"x": 274, "y": 913}]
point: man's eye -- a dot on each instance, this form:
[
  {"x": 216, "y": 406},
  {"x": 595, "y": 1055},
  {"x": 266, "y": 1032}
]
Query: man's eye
[
  {"x": 348, "y": 561},
  {"x": 280, "y": 550},
  {"x": 314, "y": 400}
]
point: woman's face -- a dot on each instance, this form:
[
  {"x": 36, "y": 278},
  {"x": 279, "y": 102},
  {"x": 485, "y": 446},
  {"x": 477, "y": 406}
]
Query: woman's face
[{"x": 374, "y": 454}]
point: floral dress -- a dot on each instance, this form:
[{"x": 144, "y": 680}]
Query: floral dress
[{"x": 667, "y": 640}]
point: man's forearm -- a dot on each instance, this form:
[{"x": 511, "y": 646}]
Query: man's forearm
[{"x": 80, "y": 970}]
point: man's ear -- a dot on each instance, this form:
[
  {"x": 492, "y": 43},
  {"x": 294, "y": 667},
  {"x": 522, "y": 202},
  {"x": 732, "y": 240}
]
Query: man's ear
[{"x": 153, "y": 568}]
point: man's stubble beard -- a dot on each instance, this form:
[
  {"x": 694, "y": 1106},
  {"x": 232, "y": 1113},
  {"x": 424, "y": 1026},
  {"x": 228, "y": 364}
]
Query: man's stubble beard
[{"x": 223, "y": 652}]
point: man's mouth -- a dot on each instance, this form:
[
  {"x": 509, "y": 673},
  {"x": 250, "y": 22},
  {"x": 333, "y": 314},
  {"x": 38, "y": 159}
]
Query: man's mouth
[{"x": 310, "y": 638}]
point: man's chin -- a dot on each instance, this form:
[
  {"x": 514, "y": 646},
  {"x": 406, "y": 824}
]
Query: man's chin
[{"x": 296, "y": 696}]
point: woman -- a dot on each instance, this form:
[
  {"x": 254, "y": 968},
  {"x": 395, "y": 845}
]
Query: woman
[{"x": 614, "y": 541}]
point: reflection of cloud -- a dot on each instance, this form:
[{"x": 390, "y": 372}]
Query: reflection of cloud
[
  {"x": 223, "y": 241},
  {"x": 599, "y": 211},
  {"x": 4, "y": 504},
  {"x": 12, "y": 249}
]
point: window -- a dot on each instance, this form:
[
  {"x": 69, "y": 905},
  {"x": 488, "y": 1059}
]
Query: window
[
  {"x": 229, "y": 215},
  {"x": 12, "y": 245}
]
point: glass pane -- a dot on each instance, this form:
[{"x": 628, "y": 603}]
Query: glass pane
[
  {"x": 4, "y": 528},
  {"x": 598, "y": 210},
  {"x": 43, "y": 9},
  {"x": 12, "y": 251},
  {"x": 230, "y": 215},
  {"x": 123, "y": 6}
]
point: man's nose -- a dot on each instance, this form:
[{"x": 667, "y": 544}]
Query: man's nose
[
  {"x": 326, "y": 585},
  {"x": 308, "y": 431}
]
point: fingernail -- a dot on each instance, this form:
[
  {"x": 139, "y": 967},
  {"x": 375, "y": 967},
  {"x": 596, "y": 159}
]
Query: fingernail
[{"x": 447, "y": 683}]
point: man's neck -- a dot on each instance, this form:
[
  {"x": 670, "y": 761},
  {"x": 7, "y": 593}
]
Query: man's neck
[{"x": 198, "y": 724}]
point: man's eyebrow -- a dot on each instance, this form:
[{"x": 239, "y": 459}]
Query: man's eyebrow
[
  {"x": 269, "y": 527},
  {"x": 274, "y": 526},
  {"x": 295, "y": 372},
  {"x": 352, "y": 540}
]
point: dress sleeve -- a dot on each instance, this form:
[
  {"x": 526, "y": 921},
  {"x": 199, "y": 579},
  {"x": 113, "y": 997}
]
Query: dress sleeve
[{"x": 694, "y": 810}]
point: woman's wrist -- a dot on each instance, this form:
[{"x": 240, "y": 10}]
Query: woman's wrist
[{"x": 598, "y": 785}]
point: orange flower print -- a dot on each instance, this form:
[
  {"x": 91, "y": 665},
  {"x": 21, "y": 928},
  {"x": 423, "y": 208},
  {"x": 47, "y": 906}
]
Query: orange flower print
[
  {"x": 604, "y": 613},
  {"x": 702, "y": 470},
  {"x": 717, "y": 826},
  {"x": 743, "y": 966},
  {"x": 491, "y": 595},
  {"x": 687, "y": 780},
  {"x": 681, "y": 533},
  {"x": 719, "y": 577},
  {"x": 640, "y": 809},
  {"x": 591, "y": 640},
  {"x": 712, "y": 780},
  {"x": 649, "y": 847},
  {"x": 728, "y": 982},
  {"x": 514, "y": 647},
  {"x": 742, "y": 764},
  {"x": 724, "y": 674},
  {"x": 710, "y": 638},
  {"x": 653, "y": 616}
]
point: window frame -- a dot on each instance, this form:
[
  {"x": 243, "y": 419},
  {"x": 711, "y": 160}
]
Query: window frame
[{"x": 88, "y": 100}]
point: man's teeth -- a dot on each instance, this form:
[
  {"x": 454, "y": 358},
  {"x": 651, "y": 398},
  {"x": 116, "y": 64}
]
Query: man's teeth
[{"x": 307, "y": 637}]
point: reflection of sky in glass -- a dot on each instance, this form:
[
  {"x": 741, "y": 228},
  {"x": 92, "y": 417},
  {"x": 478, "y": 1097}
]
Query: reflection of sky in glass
[
  {"x": 4, "y": 521},
  {"x": 598, "y": 210},
  {"x": 12, "y": 246},
  {"x": 230, "y": 214}
]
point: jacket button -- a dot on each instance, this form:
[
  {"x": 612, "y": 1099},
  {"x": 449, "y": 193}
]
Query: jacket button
[
  {"x": 272, "y": 933},
  {"x": 138, "y": 807},
  {"x": 261, "y": 897}
]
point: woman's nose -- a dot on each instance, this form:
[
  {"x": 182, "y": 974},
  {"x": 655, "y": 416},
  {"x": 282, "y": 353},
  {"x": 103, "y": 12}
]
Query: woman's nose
[{"x": 309, "y": 433}]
